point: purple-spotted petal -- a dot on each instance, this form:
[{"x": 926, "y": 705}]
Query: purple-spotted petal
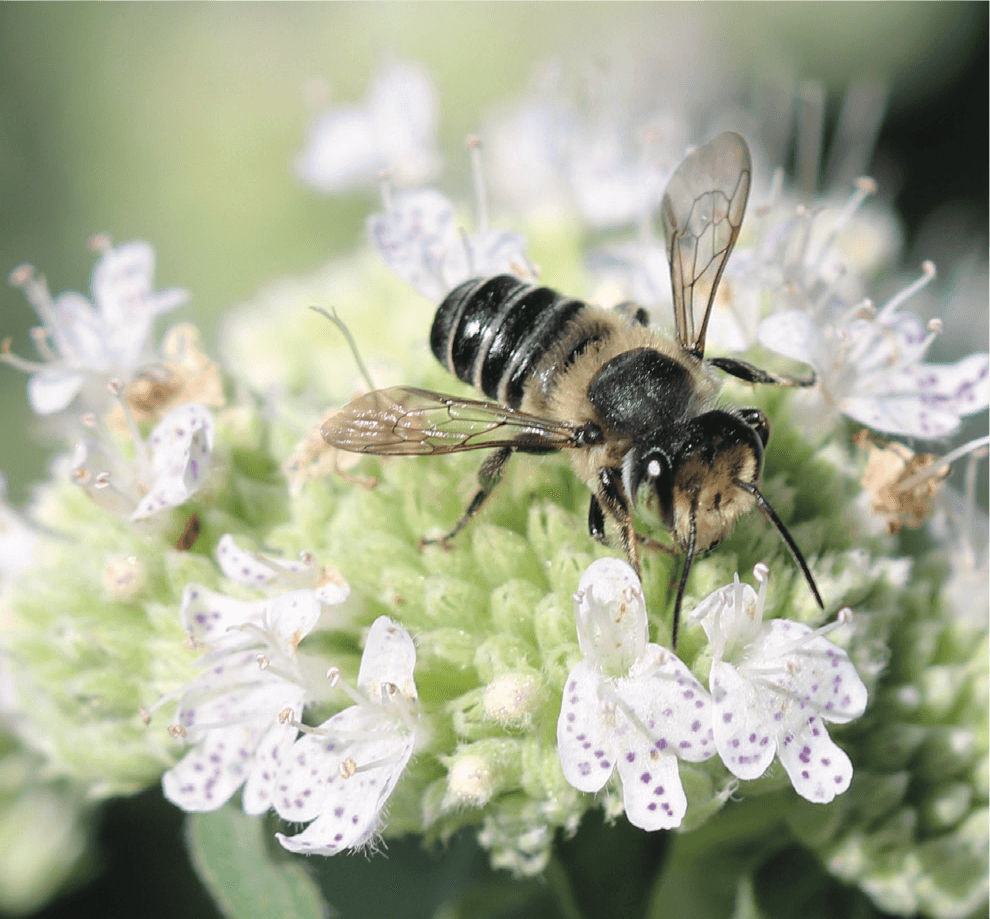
[
  {"x": 745, "y": 721},
  {"x": 209, "y": 617},
  {"x": 586, "y": 731},
  {"x": 670, "y": 703},
  {"x": 181, "y": 445},
  {"x": 242, "y": 566},
  {"x": 342, "y": 776},
  {"x": 818, "y": 769},
  {"x": 812, "y": 674},
  {"x": 652, "y": 793}
]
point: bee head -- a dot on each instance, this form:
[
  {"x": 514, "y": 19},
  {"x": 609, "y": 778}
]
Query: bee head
[
  {"x": 714, "y": 472},
  {"x": 715, "y": 479}
]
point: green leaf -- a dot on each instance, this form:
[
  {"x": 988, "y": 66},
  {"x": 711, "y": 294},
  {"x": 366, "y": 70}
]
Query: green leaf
[{"x": 232, "y": 855}]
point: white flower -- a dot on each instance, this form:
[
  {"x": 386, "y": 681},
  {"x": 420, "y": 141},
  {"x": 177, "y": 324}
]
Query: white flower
[
  {"x": 252, "y": 569},
  {"x": 629, "y": 705},
  {"x": 180, "y": 444},
  {"x": 773, "y": 685},
  {"x": 421, "y": 242},
  {"x": 869, "y": 367},
  {"x": 79, "y": 341},
  {"x": 342, "y": 772},
  {"x": 238, "y": 712},
  {"x": 394, "y": 132}
]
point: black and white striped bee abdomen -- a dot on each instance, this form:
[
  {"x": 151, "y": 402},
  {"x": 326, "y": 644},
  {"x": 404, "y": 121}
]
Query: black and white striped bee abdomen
[{"x": 492, "y": 332}]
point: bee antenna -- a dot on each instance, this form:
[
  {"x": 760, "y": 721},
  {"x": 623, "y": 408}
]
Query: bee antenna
[
  {"x": 771, "y": 515},
  {"x": 685, "y": 571}
]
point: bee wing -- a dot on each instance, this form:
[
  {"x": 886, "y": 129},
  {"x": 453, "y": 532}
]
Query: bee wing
[
  {"x": 404, "y": 421},
  {"x": 702, "y": 212}
]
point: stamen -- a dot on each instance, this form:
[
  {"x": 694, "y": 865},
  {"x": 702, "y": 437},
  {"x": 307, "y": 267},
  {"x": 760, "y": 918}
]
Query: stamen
[
  {"x": 385, "y": 187},
  {"x": 100, "y": 242},
  {"x": 811, "y": 118},
  {"x": 865, "y": 186},
  {"x": 478, "y": 181},
  {"x": 973, "y": 447},
  {"x": 40, "y": 338},
  {"x": 969, "y": 509},
  {"x": 17, "y": 362},
  {"x": 116, "y": 389},
  {"x": 927, "y": 275}
]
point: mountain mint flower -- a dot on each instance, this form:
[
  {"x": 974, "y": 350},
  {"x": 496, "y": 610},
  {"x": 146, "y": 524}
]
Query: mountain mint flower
[
  {"x": 629, "y": 706},
  {"x": 342, "y": 772},
  {"x": 238, "y": 712},
  {"x": 180, "y": 446},
  {"x": 421, "y": 242},
  {"x": 253, "y": 569},
  {"x": 394, "y": 132},
  {"x": 868, "y": 366},
  {"x": 79, "y": 341},
  {"x": 773, "y": 685}
]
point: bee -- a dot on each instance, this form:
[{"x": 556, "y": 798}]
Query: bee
[{"x": 636, "y": 410}]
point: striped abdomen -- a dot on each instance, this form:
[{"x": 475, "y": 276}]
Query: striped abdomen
[{"x": 493, "y": 332}]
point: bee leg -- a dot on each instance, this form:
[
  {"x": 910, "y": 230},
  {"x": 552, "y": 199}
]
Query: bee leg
[
  {"x": 612, "y": 499},
  {"x": 752, "y": 374},
  {"x": 489, "y": 475},
  {"x": 648, "y": 542},
  {"x": 596, "y": 521}
]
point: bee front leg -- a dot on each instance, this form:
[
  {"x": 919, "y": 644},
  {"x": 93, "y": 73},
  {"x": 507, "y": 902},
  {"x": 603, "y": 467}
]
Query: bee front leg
[
  {"x": 489, "y": 475},
  {"x": 596, "y": 521},
  {"x": 612, "y": 499}
]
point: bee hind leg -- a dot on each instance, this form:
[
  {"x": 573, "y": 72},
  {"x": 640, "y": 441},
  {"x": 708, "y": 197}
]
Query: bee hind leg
[{"x": 489, "y": 475}]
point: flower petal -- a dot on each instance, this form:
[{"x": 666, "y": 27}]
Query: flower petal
[
  {"x": 652, "y": 793},
  {"x": 50, "y": 391},
  {"x": 181, "y": 444},
  {"x": 793, "y": 334},
  {"x": 342, "y": 776},
  {"x": 209, "y": 774},
  {"x": 418, "y": 239},
  {"x": 389, "y": 658},
  {"x": 240, "y": 565},
  {"x": 291, "y": 617},
  {"x": 611, "y": 615},
  {"x": 671, "y": 704},
  {"x": 209, "y": 616},
  {"x": 585, "y": 733},
  {"x": 818, "y": 769},
  {"x": 815, "y": 674},
  {"x": 743, "y": 721},
  {"x": 270, "y": 753}
]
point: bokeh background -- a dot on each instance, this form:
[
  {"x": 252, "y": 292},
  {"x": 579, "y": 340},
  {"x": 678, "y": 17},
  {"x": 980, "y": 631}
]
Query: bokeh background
[{"x": 178, "y": 123}]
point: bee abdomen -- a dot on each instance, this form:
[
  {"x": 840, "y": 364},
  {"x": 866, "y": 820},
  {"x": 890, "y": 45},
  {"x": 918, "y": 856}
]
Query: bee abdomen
[{"x": 491, "y": 332}]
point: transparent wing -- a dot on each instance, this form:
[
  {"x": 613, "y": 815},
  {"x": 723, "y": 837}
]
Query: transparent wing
[
  {"x": 403, "y": 421},
  {"x": 702, "y": 212}
]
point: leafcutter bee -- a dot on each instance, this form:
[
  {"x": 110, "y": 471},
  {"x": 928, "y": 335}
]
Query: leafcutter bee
[{"x": 637, "y": 410}]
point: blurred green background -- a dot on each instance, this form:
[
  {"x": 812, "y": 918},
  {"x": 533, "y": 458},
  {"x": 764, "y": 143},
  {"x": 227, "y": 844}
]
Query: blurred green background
[{"x": 178, "y": 123}]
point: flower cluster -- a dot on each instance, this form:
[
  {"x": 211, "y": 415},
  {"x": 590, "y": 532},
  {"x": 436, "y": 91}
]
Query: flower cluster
[
  {"x": 635, "y": 706},
  {"x": 473, "y": 700}
]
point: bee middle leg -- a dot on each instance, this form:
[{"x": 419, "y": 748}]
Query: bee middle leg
[
  {"x": 752, "y": 374},
  {"x": 489, "y": 475}
]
